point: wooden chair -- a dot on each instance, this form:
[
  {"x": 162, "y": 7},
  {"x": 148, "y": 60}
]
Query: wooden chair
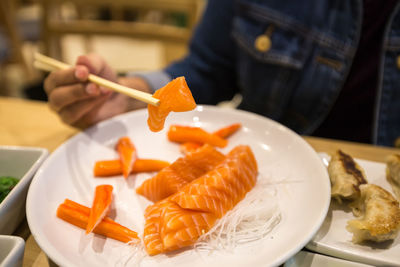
[
  {"x": 87, "y": 21},
  {"x": 9, "y": 23}
]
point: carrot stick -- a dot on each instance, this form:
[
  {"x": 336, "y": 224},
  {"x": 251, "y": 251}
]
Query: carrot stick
[
  {"x": 107, "y": 227},
  {"x": 106, "y": 168},
  {"x": 183, "y": 134},
  {"x": 223, "y": 132},
  {"x": 83, "y": 209},
  {"x": 227, "y": 131},
  {"x": 101, "y": 204},
  {"x": 127, "y": 154}
]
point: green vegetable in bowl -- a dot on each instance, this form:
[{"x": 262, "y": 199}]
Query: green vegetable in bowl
[{"x": 7, "y": 183}]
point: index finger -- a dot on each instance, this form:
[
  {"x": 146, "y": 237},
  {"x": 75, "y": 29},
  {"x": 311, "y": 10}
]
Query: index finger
[{"x": 69, "y": 76}]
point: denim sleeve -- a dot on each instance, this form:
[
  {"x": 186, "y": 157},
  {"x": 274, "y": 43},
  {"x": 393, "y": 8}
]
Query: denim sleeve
[{"x": 209, "y": 66}]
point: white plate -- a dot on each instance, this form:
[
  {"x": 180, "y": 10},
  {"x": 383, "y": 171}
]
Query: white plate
[
  {"x": 309, "y": 259},
  {"x": 281, "y": 154},
  {"x": 333, "y": 238},
  {"x": 21, "y": 163}
]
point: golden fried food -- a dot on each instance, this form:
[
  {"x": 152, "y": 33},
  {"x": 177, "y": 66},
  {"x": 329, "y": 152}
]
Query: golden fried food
[
  {"x": 346, "y": 176},
  {"x": 393, "y": 173},
  {"x": 379, "y": 215}
]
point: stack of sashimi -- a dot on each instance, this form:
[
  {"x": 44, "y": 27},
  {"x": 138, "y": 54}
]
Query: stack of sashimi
[{"x": 196, "y": 201}]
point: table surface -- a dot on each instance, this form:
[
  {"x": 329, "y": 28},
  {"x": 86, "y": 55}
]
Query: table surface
[{"x": 32, "y": 123}]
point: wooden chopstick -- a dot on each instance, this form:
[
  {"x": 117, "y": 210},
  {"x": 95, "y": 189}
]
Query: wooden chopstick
[{"x": 45, "y": 63}]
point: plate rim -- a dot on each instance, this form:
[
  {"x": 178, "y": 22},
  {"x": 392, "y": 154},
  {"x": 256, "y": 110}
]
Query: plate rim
[{"x": 53, "y": 254}]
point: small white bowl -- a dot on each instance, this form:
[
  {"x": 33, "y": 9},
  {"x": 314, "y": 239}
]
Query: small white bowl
[
  {"x": 11, "y": 251},
  {"x": 21, "y": 163}
]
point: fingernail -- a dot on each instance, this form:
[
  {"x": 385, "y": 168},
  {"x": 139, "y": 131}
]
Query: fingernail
[
  {"x": 80, "y": 74},
  {"x": 92, "y": 89}
]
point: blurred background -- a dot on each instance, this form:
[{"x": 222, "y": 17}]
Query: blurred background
[{"x": 132, "y": 35}]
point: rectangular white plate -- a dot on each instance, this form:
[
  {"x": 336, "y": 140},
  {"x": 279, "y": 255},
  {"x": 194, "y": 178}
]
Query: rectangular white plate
[
  {"x": 333, "y": 239},
  {"x": 309, "y": 259}
]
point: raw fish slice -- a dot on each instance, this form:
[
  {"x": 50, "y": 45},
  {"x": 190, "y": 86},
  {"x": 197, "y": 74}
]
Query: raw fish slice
[
  {"x": 220, "y": 196},
  {"x": 174, "y": 96},
  {"x": 151, "y": 234},
  {"x": 174, "y": 223},
  {"x": 174, "y": 218},
  {"x": 233, "y": 177},
  {"x": 169, "y": 226},
  {"x": 202, "y": 203},
  {"x": 204, "y": 190},
  {"x": 184, "y": 170}
]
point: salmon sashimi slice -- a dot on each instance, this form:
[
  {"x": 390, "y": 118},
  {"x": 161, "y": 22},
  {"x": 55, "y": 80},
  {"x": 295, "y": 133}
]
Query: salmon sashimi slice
[
  {"x": 166, "y": 222},
  {"x": 182, "y": 134},
  {"x": 227, "y": 184},
  {"x": 180, "y": 219},
  {"x": 183, "y": 225},
  {"x": 174, "y": 96},
  {"x": 127, "y": 154},
  {"x": 184, "y": 170},
  {"x": 101, "y": 204}
]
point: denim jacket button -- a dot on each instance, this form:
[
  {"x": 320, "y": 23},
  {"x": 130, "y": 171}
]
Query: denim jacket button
[{"x": 262, "y": 43}]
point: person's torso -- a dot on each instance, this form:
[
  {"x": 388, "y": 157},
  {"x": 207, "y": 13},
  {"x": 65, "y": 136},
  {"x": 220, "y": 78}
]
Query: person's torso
[{"x": 298, "y": 78}]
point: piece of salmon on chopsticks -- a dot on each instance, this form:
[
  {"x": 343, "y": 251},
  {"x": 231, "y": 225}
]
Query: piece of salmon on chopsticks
[{"x": 174, "y": 96}]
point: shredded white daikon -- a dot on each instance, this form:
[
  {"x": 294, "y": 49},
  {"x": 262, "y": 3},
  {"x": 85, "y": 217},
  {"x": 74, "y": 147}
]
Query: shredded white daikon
[
  {"x": 251, "y": 219},
  {"x": 132, "y": 254}
]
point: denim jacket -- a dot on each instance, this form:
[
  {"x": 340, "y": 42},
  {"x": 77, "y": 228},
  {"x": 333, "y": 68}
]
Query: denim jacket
[{"x": 298, "y": 79}]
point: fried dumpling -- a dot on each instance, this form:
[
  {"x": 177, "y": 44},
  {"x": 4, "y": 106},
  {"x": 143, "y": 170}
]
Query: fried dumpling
[
  {"x": 393, "y": 173},
  {"x": 346, "y": 176},
  {"x": 378, "y": 215}
]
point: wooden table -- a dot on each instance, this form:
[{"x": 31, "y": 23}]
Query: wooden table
[{"x": 31, "y": 123}]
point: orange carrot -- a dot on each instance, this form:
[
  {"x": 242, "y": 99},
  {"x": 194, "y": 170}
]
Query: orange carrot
[
  {"x": 224, "y": 132},
  {"x": 83, "y": 209},
  {"x": 127, "y": 154},
  {"x": 106, "y": 168},
  {"x": 101, "y": 204},
  {"x": 227, "y": 131},
  {"x": 70, "y": 212},
  {"x": 174, "y": 96},
  {"x": 183, "y": 134}
]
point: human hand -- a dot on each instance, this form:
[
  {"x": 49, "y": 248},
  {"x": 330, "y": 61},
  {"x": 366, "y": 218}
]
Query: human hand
[{"x": 81, "y": 103}]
